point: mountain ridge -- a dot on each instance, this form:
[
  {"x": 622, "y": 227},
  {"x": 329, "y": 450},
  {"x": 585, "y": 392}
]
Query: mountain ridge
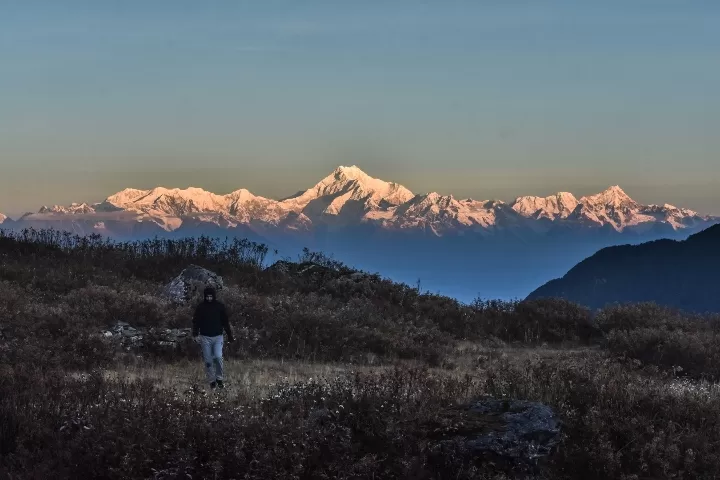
[
  {"x": 675, "y": 273},
  {"x": 349, "y": 196}
]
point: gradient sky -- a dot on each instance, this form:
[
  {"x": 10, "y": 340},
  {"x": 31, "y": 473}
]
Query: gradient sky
[{"x": 481, "y": 98}]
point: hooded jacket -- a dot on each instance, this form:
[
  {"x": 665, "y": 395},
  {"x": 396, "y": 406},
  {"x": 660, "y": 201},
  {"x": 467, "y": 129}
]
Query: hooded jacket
[{"x": 211, "y": 317}]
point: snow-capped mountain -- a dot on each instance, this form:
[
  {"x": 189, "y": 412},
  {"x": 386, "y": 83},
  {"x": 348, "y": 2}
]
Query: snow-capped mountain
[
  {"x": 615, "y": 208},
  {"x": 446, "y": 215},
  {"x": 3, "y": 218},
  {"x": 560, "y": 205},
  {"x": 350, "y": 197},
  {"x": 72, "y": 208}
]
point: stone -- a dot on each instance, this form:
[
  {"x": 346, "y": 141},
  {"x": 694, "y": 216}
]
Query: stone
[
  {"x": 517, "y": 433},
  {"x": 132, "y": 337},
  {"x": 531, "y": 428},
  {"x": 190, "y": 283}
]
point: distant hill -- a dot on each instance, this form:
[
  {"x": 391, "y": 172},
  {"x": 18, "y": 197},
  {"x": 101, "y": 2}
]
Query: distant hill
[{"x": 681, "y": 274}]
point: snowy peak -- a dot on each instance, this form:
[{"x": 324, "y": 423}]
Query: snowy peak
[
  {"x": 126, "y": 196},
  {"x": 614, "y": 197},
  {"x": 430, "y": 204},
  {"x": 435, "y": 200},
  {"x": 362, "y": 185},
  {"x": 347, "y": 191},
  {"x": 3, "y": 218},
  {"x": 672, "y": 210},
  {"x": 73, "y": 208},
  {"x": 442, "y": 214},
  {"x": 242, "y": 196},
  {"x": 611, "y": 207},
  {"x": 560, "y": 205},
  {"x": 169, "y": 201},
  {"x": 352, "y": 172},
  {"x": 615, "y": 208}
]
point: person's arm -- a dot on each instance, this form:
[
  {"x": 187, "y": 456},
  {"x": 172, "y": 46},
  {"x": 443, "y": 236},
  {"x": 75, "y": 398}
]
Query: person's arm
[{"x": 226, "y": 324}]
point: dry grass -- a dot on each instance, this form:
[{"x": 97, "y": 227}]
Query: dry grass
[
  {"x": 254, "y": 379},
  {"x": 74, "y": 406},
  {"x": 248, "y": 379},
  {"x": 471, "y": 357},
  {"x": 619, "y": 421}
]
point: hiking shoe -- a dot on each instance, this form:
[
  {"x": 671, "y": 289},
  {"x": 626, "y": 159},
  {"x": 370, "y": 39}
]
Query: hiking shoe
[
  {"x": 213, "y": 385},
  {"x": 220, "y": 384}
]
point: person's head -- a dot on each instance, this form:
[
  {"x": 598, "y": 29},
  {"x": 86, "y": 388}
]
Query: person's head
[{"x": 209, "y": 294}]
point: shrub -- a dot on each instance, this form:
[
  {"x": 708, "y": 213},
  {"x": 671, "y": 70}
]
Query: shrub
[
  {"x": 647, "y": 315},
  {"x": 535, "y": 321},
  {"x": 618, "y": 423},
  {"x": 556, "y": 320},
  {"x": 692, "y": 354}
]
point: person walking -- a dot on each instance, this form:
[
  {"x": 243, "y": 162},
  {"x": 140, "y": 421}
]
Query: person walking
[{"x": 209, "y": 321}]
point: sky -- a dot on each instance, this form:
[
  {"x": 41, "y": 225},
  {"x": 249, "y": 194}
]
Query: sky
[{"x": 481, "y": 99}]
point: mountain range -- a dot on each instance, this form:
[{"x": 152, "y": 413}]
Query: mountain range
[
  {"x": 348, "y": 196},
  {"x": 383, "y": 226},
  {"x": 680, "y": 274}
]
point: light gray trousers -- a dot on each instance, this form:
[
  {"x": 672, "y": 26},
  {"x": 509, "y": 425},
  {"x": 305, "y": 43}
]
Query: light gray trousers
[{"x": 212, "y": 356}]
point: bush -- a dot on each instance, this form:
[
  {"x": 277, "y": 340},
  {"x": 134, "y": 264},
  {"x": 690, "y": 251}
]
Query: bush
[
  {"x": 649, "y": 315},
  {"x": 617, "y": 422},
  {"x": 692, "y": 354},
  {"x": 317, "y": 328},
  {"x": 677, "y": 342},
  {"x": 555, "y": 321},
  {"x": 534, "y": 321}
]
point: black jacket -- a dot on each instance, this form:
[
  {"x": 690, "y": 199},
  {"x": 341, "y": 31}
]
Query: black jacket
[{"x": 211, "y": 318}]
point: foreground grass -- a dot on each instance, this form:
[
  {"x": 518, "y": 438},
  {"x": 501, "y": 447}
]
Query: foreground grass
[
  {"x": 331, "y": 377},
  {"x": 247, "y": 379},
  {"x": 255, "y": 378},
  {"x": 305, "y": 420}
]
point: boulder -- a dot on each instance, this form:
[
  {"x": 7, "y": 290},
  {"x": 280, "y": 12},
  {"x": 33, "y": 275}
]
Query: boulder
[
  {"x": 191, "y": 282},
  {"x": 515, "y": 433}
]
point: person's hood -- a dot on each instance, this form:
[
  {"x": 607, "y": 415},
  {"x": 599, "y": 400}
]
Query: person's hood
[{"x": 209, "y": 291}]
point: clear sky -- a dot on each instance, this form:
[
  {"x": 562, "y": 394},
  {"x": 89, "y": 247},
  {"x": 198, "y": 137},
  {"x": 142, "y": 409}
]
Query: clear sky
[{"x": 478, "y": 98}]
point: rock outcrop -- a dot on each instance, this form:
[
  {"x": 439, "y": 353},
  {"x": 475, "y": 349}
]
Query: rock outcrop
[
  {"x": 515, "y": 433},
  {"x": 190, "y": 283},
  {"x": 130, "y": 337}
]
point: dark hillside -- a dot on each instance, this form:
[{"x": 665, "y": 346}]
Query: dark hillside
[{"x": 681, "y": 274}]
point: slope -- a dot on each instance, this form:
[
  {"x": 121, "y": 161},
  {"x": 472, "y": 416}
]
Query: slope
[{"x": 681, "y": 274}]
